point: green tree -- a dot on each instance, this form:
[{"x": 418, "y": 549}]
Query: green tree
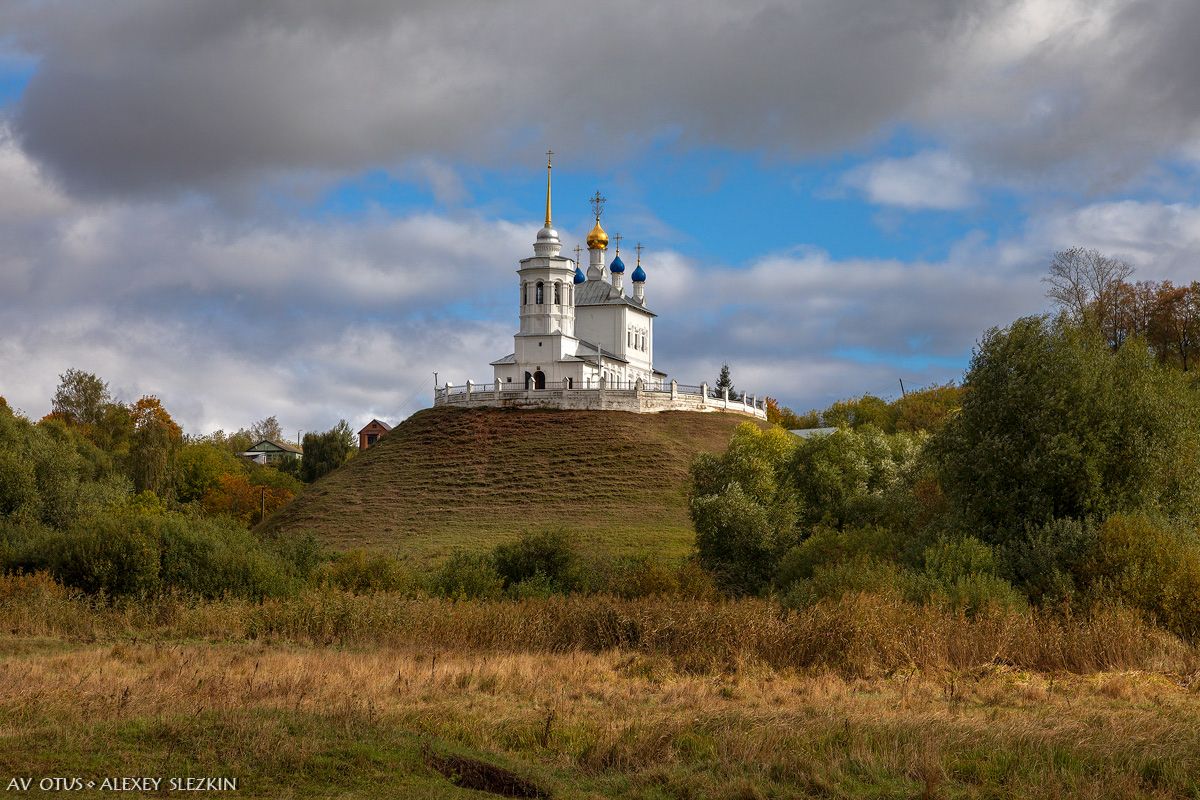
[
  {"x": 325, "y": 452},
  {"x": 199, "y": 466},
  {"x": 744, "y": 509},
  {"x": 843, "y": 477},
  {"x": 156, "y": 437},
  {"x": 725, "y": 381},
  {"x": 265, "y": 429},
  {"x": 80, "y": 398},
  {"x": 1056, "y": 425}
]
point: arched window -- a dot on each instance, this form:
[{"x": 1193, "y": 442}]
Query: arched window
[
  {"x": 541, "y": 293},
  {"x": 629, "y": 338},
  {"x": 524, "y": 294},
  {"x": 558, "y": 293}
]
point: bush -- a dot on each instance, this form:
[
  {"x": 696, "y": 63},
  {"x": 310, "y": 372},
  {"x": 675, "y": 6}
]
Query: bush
[
  {"x": 827, "y": 546},
  {"x": 1151, "y": 565},
  {"x": 1050, "y": 562},
  {"x": 467, "y": 576},
  {"x": 548, "y": 556},
  {"x": 210, "y": 558},
  {"x": 363, "y": 572},
  {"x": 860, "y": 575},
  {"x": 735, "y": 540},
  {"x": 113, "y": 555}
]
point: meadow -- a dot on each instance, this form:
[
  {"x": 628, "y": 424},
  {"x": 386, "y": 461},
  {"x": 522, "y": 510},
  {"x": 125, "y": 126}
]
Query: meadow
[{"x": 336, "y": 694}]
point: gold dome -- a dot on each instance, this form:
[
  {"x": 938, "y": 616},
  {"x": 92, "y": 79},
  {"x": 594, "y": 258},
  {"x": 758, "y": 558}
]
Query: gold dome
[{"x": 597, "y": 239}]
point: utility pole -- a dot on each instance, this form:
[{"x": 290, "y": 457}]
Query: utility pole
[
  {"x": 263, "y": 514},
  {"x": 902, "y": 392}
]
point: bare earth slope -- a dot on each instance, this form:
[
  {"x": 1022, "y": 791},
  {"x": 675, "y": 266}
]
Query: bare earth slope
[{"x": 447, "y": 478}]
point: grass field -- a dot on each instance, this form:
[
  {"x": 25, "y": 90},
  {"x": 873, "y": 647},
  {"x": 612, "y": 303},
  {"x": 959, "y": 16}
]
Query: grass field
[
  {"x": 336, "y": 695},
  {"x": 447, "y": 478}
]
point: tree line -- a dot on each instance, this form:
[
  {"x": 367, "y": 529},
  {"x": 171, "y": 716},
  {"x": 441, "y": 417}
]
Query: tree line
[{"x": 1063, "y": 473}]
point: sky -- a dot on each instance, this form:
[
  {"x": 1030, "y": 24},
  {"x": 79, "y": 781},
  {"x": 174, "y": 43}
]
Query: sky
[{"x": 304, "y": 209}]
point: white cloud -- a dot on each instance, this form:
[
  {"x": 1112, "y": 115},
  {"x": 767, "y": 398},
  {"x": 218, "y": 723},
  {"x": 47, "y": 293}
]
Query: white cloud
[
  {"x": 230, "y": 320},
  {"x": 146, "y": 98},
  {"x": 927, "y": 180}
]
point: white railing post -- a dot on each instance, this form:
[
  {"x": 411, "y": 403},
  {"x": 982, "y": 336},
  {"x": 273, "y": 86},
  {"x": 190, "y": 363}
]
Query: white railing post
[
  {"x": 674, "y": 388},
  {"x": 704, "y": 393},
  {"x": 725, "y": 397},
  {"x": 564, "y": 384},
  {"x": 470, "y": 386}
]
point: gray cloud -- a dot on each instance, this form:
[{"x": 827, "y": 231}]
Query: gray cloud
[{"x": 135, "y": 96}]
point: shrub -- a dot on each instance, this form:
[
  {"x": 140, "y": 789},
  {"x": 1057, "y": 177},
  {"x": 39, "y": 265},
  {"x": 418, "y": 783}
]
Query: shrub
[
  {"x": 115, "y": 555},
  {"x": 1050, "y": 562},
  {"x": 827, "y": 546},
  {"x": 210, "y": 558},
  {"x": 363, "y": 572},
  {"x": 860, "y": 575},
  {"x": 549, "y": 556},
  {"x": 1151, "y": 565},
  {"x": 467, "y": 576},
  {"x": 735, "y": 540}
]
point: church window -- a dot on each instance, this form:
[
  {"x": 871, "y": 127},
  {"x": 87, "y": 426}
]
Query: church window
[
  {"x": 629, "y": 338},
  {"x": 540, "y": 294},
  {"x": 557, "y": 293}
]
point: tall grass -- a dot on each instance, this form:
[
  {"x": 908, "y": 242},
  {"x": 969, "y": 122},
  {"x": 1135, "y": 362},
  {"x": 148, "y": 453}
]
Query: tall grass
[{"x": 856, "y": 635}]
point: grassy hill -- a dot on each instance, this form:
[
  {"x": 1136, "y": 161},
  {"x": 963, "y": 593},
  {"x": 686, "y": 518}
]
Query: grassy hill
[{"x": 447, "y": 478}]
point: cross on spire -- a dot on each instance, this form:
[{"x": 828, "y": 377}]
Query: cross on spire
[
  {"x": 598, "y": 200},
  {"x": 616, "y": 237},
  {"x": 549, "y": 166},
  {"x": 578, "y": 250},
  {"x": 639, "y": 252}
]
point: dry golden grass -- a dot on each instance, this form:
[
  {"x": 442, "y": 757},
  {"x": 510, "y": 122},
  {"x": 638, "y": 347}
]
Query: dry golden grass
[
  {"x": 607, "y": 724},
  {"x": 332, "y": 694},
  {"x": 447, "y": 478}
]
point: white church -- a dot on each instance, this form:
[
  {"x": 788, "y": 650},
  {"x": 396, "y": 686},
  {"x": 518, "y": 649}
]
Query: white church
[{"x": 586, "y": 340}]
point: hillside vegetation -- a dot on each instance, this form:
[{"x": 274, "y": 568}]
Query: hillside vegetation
[{"x": 467, "y": 478}]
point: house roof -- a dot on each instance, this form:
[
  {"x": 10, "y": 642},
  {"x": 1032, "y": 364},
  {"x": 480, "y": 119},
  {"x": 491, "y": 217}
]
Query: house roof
[
  {"x": 587, "y": 352},
  {"x": 808, "y": 433},
  {"x": 375, "y": 423},
  {"x": 511, "y": 358},
  {"x": 275, "y": 444},
  {"x": 601, "y": 293}
]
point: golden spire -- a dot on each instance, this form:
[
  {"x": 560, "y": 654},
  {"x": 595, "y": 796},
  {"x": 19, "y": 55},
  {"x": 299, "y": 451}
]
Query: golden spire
[
  {"x": 597, "y": 239},
  {"x": 549, "y": 167}
]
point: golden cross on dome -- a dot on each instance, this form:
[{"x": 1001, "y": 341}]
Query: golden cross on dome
[
  {"x": 639, "y": 252},
  {"x": 616, "y": 237},
  {"x": 598, "y": 200}
]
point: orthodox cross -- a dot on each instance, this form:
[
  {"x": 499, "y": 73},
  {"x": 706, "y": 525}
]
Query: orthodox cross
[
  {"x": 617, "y": 241},
  {"x": 578, "y": 250},
  {"x": 639, "y": 252},
  {"x": 598, "y": 200}
]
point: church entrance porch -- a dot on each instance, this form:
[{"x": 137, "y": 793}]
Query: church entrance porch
[{"x": 539, "y": 380}]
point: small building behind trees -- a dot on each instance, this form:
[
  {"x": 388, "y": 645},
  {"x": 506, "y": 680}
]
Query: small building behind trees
[
  {"x": 371, "y": 432},
  {"x": 273, "y": 451}
]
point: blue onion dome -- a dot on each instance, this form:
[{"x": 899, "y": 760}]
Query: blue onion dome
[
  {"x": 639, "y": 275},
  {"x": 617, "y": 266},
  {"x": 579, "y": 276}
]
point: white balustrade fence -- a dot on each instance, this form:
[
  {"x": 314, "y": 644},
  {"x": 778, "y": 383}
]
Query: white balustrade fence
[{"x": 635, "y": 396}]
